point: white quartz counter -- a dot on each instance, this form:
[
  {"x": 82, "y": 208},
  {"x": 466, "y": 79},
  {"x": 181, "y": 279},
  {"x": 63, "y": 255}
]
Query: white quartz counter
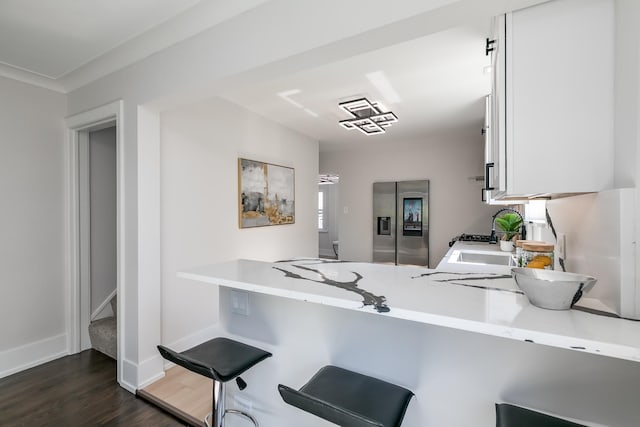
[{"x": 487, "y": 303}]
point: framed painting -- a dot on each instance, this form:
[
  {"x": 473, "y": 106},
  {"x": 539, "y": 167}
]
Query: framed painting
[{"x": 266, "y": 194}]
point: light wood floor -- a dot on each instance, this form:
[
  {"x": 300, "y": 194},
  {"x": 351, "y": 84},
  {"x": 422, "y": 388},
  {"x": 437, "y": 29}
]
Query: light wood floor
[{"x": 183, "y": 393}]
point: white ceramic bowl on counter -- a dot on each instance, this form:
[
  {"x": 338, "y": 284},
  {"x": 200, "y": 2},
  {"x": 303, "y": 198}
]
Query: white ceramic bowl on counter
[{"x": 555, "y": 290}]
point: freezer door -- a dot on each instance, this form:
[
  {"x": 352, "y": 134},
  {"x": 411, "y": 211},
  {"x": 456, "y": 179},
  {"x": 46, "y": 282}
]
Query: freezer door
[
  {"x": 412, "y": 228},
  {"x": 384, "y": 222}
]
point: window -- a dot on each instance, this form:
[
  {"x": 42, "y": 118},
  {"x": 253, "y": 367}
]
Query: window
[{"x": 322, "y": 223}]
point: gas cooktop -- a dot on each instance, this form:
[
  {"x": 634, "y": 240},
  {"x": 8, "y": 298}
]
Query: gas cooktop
[
  {"x": 484, "y": 238},
  {"x": 475, "y": 238}
]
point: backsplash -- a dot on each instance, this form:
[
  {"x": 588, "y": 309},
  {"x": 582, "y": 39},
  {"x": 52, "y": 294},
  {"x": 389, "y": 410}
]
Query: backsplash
[{"x": 599, "y": 229}]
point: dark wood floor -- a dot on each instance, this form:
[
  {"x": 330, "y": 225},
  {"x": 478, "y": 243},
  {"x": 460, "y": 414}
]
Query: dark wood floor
[{"x": 77, "y": 390}]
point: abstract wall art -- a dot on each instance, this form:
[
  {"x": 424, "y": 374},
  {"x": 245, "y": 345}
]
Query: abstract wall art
[{"x": 266, "y": 194}]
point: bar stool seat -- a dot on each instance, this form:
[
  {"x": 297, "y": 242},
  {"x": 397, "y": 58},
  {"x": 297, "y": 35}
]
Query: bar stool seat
[
  {"x": 350, "y": 399},
  {"x": 222, "y": 360},
  {"x": 514, "y": 416}
]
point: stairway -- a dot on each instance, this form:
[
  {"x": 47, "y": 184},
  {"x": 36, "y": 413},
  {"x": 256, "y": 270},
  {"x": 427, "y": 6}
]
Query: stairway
[{"x": 104, "y": 332}]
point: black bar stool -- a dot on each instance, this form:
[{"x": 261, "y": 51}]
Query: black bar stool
[
  {"x": 222, "y": 360},
  {"x": 514, "y": 416},
  {"x": 350, "y": 399}
]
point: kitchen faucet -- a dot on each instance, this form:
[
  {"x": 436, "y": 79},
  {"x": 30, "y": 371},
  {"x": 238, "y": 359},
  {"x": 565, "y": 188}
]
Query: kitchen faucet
[{"x": 493, "y": 238}]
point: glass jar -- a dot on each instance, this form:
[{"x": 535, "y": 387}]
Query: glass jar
[
  {"x": 520, "y": 251},
  {"x": 537, "y": 255}
]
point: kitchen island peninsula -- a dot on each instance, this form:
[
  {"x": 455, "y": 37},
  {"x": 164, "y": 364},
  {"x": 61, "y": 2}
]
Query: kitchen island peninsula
[{"x": 455, "y": 338}]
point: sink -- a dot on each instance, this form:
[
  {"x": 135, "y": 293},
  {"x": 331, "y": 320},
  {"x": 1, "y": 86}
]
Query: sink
[{"x": 480, "y": 257}]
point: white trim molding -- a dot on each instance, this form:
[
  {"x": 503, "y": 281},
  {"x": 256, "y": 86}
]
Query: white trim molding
[
  {"x": 91, "y": 120},
  {"x": 31, "y": 78},
  {"x": 129, "y": 371}
]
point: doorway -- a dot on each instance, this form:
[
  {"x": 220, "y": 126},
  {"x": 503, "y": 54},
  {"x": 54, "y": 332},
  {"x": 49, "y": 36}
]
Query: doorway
[
  {"x": 328, "y": 191},
  {"x": 97, "y": 169},
  {"x": 79, "y": 128}
]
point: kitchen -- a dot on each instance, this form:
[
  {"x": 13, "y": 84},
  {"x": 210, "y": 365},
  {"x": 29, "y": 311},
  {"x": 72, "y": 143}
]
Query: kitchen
[
  {"x": 600, "y": 214},
  {"x": 186, "y": 236},
  {"x": 544, "y": 387}
]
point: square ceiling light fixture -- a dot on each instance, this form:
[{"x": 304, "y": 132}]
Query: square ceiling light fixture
[{"x": 368, "y": 117}]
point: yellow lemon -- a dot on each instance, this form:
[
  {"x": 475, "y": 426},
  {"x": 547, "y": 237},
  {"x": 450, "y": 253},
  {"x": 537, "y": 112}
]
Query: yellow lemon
[
  {"x": 545, "y": 260},
  {"x": 535, "y": 264}
]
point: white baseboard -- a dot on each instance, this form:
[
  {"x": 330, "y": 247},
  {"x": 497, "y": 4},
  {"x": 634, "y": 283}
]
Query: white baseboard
[
  {"x": 150, "y": 370},
  {"x": 129, "y": 376},
  {"x": 152, "y": 379},
  {"x": 33, "y": 354}
]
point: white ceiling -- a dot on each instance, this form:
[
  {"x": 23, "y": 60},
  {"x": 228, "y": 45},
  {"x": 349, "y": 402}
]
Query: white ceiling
[
  {"x": 439, "y": 79},
  {"x": 64, "y": 44},
  {"x": 440, "y": 82},
  {"x": 53, "y": 38}
]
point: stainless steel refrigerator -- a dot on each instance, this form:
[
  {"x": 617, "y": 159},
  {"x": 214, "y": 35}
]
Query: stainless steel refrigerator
[{"x": 401, "y": 222}]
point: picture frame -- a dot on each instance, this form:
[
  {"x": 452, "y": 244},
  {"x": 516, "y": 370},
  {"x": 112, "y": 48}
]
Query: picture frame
[{"x": 266, "y": 194}]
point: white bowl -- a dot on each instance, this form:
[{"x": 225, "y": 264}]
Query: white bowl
[{"x": 555, "y": 290}]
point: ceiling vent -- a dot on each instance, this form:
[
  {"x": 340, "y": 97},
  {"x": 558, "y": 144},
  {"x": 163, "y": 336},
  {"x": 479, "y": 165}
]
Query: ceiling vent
[{"x": 368, "y": 117}]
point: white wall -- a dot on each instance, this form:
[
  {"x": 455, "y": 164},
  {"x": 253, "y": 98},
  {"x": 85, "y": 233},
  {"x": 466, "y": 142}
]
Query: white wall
[
  {"x": 32, "y": 329},
  {"x": 448, "y": 162},
  {"x": 102, "y": 170},
  {"x": 600, "y": 242},
  {"x": 200, "y": 147}
]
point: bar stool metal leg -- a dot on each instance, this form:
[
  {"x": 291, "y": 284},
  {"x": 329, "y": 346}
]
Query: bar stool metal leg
[
  {"x": 243, "y": 414},
  {"x": 218, "y": 411},
  {"x": 217, "y": 405}
]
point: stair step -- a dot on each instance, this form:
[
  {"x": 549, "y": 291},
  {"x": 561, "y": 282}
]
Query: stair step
[{"x": 104, "y": 336}]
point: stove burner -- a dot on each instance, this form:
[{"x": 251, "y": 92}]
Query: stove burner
[
  {"x": 475, "y": 238},
  {"x": 483, "y": 238}
]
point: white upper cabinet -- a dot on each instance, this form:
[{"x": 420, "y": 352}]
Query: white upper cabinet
[
  {"x": 552, "y": 109},
  {"x": 492, "y": 163}
]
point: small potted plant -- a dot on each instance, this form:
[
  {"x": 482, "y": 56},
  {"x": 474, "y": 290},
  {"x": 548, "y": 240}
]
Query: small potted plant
[{"x": 509, "y": 224}]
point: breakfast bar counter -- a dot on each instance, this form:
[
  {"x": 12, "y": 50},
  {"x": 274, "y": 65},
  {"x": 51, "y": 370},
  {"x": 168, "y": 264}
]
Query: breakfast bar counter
[{"x": 484, "y": 303}]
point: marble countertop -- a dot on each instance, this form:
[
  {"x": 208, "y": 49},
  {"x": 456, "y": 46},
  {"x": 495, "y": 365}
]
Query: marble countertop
[{"x": 482, "y": 302}]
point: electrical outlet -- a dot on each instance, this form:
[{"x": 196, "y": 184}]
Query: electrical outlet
[
  {"x": 562, "y": 246},
  {"x": 240, "y": 302}
]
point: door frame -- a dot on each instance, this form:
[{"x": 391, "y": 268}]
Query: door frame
[{"x": 77, "y": 128}]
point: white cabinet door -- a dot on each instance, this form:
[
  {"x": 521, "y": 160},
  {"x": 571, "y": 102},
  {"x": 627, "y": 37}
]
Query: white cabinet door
[
  {"x": 488, "y": 150},
  {"x": 490, "y": 173},
  {"x": 554, "y": 99},
  {"x": 495, "y": 148},
  {"x": 497, "y": 169}
]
